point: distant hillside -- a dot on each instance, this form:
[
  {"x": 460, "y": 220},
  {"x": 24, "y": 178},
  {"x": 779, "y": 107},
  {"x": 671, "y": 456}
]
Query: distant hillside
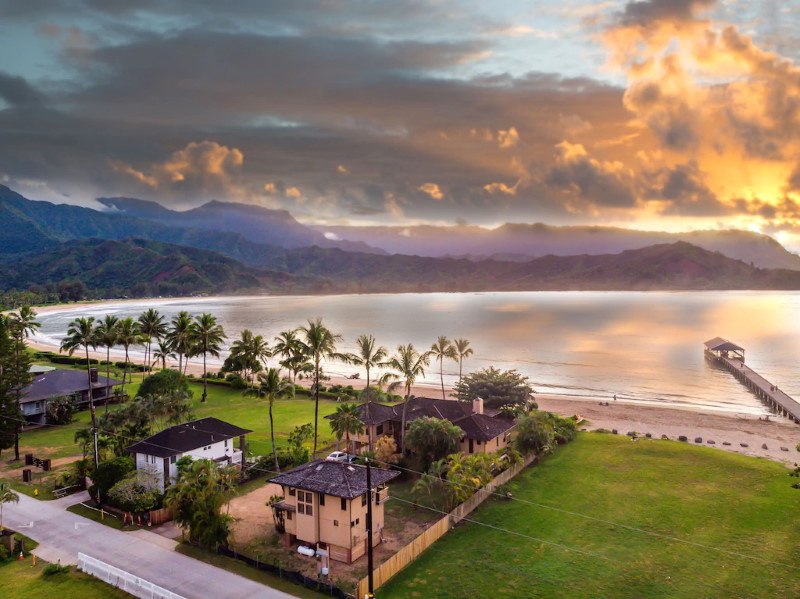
[
  {"x": 678, "y": 266},
  {"x": 254, "y": 223},
  {"x": 521, "y": 242},
  {"x": 140, "y": 268}
]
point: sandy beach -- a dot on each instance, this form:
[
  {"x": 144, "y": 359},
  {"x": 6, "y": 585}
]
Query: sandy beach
[{"x": 690, "y": 421}]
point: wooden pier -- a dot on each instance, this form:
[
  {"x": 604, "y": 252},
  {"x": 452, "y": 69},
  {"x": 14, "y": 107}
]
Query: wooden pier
[{"x": 731, "y": 357}]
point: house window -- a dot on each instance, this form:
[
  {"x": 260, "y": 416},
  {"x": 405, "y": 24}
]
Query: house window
[
  {"x": 322, "y": 498},
  {"x": 226, "y": 442},
  {"x": 305, "y": 502},
  {"x": 173, "y": 459},
  {"x": 336, "y": 523},
  {"x": 379, "y": 430},
  {"x": 344, "y": 503},
  {"x": 364, "y": 499},
  {"x": 291, "y": 492},
  {"x": 288, "y": 515}
]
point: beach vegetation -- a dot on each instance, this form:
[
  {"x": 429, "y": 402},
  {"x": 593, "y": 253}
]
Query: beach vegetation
[{"x": 497, "y": 388}]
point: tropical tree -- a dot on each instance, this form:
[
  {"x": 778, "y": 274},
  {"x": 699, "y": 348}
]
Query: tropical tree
[
  {"x": 440, "y": 350},
  {"x": 207, "y": 337},
  {"x": 179, "y": 337},
  {"x": 107, "y": 335},
  {"x": 152, "y": 326},
  {"x": 6, "y": 496},
  {"x": 386, "y": 451},
  {"x": 80, "y": 333},
  {"x": 434, "y": 486},
  {"x": 273, "y": 387},
  {"x": 288, "y": 347},
  {"x": 21, "y": 325},
  {"x": 432, "y": 439},
  {"x": 497, "y": 388},
  {"x": 163, "y": 352},
  {"x": 319, "y": 343},
  {"x": 410, "y": 365},
  {"x": 10, "y": 415},
  {"x": 197, "y": 499},
  {"x": 463, "y": 350},
  {"x": 346, "y": 421},
  {"x": 129, "y": 334},
  {"x": 368, "y": 356},
  {"x": 248, "y": 354}
]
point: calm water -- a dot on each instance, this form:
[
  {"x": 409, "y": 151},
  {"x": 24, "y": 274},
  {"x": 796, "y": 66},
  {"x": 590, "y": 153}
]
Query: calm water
[{"x": 642, "y": 346}]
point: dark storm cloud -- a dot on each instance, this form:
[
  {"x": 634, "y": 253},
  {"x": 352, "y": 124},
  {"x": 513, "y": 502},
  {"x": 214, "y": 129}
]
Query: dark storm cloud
[
  {"x": 648, "y": 11},
  {"x": 16, "y": 91}
]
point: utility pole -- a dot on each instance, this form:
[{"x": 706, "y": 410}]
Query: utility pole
[{"x": 371, "y": 591}]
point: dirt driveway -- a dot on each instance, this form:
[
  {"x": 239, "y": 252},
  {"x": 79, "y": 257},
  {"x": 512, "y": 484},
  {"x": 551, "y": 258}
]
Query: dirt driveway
[{"x": 253, "y": 517}]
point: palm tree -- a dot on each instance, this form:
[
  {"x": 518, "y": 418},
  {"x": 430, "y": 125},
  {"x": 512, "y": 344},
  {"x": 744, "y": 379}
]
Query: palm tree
[
  {"x": 288, "y": 346},
  {"x": 440, "y": 350},
  {"x": 347, "y": 421},
  {"x": 107, "y": 335},
  {"x": 463, "y": 350},
  {"x": 80, "y": 333},
  {"x": 20, "y": 324},
  {"x": 153, "y": 327},
  {"x": 207, "y": 338},
  {"x": 163, "y": 352},
  {"x": 249, "y": 351},
  {"x": 273, "y": 387},
  {"x": 6, "y": 496},
  {"x": 369, "y": 357},
  {"x": 410, "y": 364},
  {"x": 179, "y": 336},
  {"x": 319, "y": 343},
  {"x": 129, "y": 334}
]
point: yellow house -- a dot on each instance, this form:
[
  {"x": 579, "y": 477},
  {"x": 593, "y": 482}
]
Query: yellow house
[{"x": 324, "y": 506}]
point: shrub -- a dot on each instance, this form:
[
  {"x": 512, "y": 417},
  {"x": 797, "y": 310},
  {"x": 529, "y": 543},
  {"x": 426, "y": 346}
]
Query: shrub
[
  {"x": 135, "y": 493},
  {"x": 111, "y": 472},
  {"x": 52, "y": 569},
  {"x": 164, "y": 382},
  {"x": 60, "y": 411}
]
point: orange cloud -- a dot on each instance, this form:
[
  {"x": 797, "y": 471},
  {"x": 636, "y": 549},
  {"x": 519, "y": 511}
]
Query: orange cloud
[{"x": 432, "y": 189}]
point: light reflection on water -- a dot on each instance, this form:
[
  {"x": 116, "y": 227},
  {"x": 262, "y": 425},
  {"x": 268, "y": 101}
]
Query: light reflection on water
[{"x": 641, "y": 346}]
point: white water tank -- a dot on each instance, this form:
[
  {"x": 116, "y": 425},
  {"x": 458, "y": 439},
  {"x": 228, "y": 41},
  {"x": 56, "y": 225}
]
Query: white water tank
[{"x": 306, "y": 551}]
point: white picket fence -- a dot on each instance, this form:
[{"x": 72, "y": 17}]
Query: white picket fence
[{"x": 138, "y": 587}]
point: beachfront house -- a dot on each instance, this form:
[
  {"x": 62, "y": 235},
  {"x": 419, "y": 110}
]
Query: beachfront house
[
  {"x": 207, "y": 438},
  {"x": 71, "y": 384},
  {"x": 485, "y": 430},
  {"x": 324, "y": 507}
]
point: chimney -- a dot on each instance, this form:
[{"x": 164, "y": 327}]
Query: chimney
[
  {"x": 93, "y": 375},
  {"x": 477, "y": 405}
]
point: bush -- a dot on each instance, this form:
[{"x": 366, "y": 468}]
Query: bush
[
  {"x": 110, "y": 472},
  {"x": 52, "y": 569},
  {"x": 135, "y": 494},
  {"x": 60, "y": 411},
  {"x": 164, "y": 382}
]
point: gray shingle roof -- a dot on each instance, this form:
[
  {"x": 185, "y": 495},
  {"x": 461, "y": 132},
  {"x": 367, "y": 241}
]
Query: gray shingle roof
[
  {"x": 333, "y": 478},
  {"x": 186, "y": 437},
  {"x": 721, "y": 344},
  {"x": 61, "y": 382}
]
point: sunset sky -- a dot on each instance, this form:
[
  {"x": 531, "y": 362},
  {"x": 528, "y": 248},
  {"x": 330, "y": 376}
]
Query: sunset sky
[{"x": 661, "y": 114}]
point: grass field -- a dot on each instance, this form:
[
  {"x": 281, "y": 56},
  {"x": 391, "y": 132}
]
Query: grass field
[
  {"x": 21, "y": 580},
  {"x": 720, "y": 500},
  {"x": 223, "y": 403}
]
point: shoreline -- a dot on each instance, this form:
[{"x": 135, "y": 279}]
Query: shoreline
[{"x": 672, "y": 420}]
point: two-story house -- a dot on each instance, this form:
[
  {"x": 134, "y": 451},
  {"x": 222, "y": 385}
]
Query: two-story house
[
  {"x": 485, "y": 430},
  {"x": 72, "y": 384},
  {"x": 207, "y": 438},
  {"x": 325, "y": 506}
]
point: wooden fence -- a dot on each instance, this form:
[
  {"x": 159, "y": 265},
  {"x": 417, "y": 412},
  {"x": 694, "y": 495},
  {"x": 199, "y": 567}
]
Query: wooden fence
[{"x": 437, "y": 530}]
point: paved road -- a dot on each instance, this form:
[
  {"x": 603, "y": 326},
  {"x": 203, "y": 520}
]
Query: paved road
[{"x": 145, "y": 554}]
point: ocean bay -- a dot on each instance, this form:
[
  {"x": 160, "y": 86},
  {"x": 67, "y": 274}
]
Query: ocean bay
[{"x": 642, "y": 347}]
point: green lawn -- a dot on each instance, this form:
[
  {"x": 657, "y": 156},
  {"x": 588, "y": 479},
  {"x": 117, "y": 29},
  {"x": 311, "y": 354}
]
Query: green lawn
[
  {"x": 223, "y": 403},
  {"x": 21, "y": 580},
  {"x": 705, "y": 496}
]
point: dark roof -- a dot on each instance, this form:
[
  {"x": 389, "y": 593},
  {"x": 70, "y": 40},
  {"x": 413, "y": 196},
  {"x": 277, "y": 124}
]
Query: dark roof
[
  {"x": 333, "y": 478},
  {"x": 378, "y": 413},
  {"x": 484, "y": 428},
  {"x": 57, "y": 383},
  {"x": 186, "y": 437},
  {"x": 720, "y": 344}
]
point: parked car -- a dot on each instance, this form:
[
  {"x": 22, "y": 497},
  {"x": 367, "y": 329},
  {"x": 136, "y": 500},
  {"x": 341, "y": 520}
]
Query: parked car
[{"x": 338, "y": 456}]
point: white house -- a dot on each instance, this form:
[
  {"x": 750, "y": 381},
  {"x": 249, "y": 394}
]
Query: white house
[{"x": 207, "y": 438}]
